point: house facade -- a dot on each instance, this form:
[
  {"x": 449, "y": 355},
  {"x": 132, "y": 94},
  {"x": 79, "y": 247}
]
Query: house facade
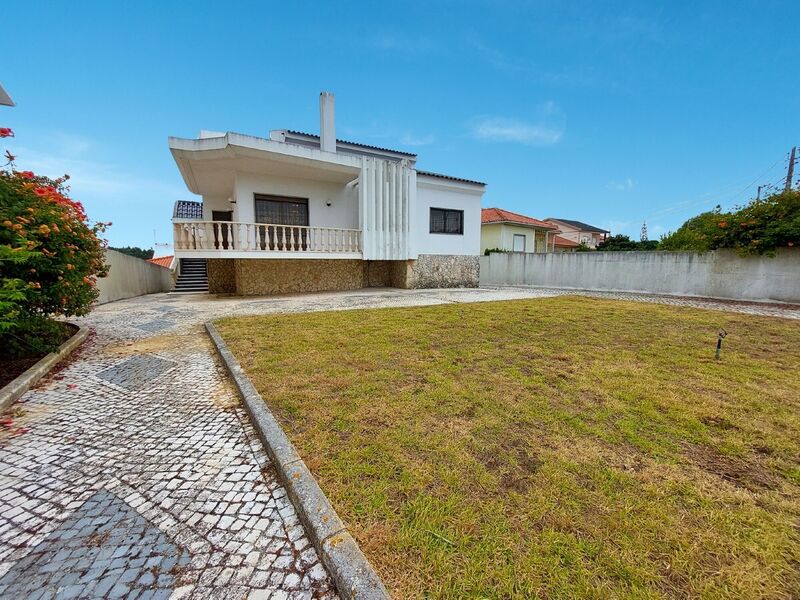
[
  {"x": 562, "y": 244},
  {"x": 578, "y": 232},
  {"x": 512, "y": 232},
  {"x": 298, "y": 212}
]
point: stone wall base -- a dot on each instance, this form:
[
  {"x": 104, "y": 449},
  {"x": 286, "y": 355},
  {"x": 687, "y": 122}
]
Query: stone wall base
[
  {"x": 258, "y": 277},
  {"x": 438, "y": 271},
  {"x": 221, "y": 276}
]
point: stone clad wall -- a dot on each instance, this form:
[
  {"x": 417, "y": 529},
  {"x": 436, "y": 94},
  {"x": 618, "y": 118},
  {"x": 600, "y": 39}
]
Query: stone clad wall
[
  {"x": 256, "y": 277},
  {"x": 285, "y": 276},
  {"x": 221, "y": 276},
  {"x": 439, "y": 271}
]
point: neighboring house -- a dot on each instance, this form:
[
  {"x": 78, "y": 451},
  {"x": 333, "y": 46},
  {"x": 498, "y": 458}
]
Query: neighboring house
[
  {"x": 513, "y": 232},
  {"x": 562, "y": 244},
  {"x": 579, "y": 232},
  {"x": 299, "y": 212}
]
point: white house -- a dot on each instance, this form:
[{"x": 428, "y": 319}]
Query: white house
[{"x": 298, "y": 212}]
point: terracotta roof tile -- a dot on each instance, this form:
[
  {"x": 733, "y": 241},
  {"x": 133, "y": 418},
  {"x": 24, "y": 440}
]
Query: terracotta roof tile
[
  {"x": 565, "y": 243},
  {"x": 162, "y": 261},
  {"x": 499, "y": 215}
]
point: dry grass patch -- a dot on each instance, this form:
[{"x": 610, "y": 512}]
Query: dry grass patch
[{"x": 566, "y": 447}]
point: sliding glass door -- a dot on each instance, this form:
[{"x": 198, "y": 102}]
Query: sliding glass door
[{"x": 279, "y": 210}]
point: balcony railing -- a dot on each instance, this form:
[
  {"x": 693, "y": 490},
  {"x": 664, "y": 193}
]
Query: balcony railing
[{"x": 225, "y": 236}]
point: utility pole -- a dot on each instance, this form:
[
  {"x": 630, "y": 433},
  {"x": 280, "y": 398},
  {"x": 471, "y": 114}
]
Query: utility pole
[{"x": 790, "y": 171}]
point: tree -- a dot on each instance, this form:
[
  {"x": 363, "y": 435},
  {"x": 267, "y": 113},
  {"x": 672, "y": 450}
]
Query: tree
[
  {"x": 622, "y": 243},
  {"x": 135, "y": 251},
  {"x": 617, "y": 243}
]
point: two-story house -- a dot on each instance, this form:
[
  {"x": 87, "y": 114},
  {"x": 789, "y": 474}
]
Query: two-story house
[
  {"x": 297, "y": 212},
  {"x": 578, "y": 232}
]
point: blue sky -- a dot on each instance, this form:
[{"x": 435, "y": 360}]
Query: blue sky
[{"x": 609, "y": 114}]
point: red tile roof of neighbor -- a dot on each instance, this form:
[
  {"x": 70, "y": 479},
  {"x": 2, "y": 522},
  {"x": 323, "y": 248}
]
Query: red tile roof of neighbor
[
  {"x": 498, "y": 215},
  {"x": 565, "y": 243},
  {"x": 162, "y": 261}
]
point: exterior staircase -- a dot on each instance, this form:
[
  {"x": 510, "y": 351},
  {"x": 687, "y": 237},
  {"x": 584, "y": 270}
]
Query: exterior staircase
[{"x": 193, "y": 276}]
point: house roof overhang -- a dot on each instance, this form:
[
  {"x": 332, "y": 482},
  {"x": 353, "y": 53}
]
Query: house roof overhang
[
  {"x": 578, "y": 225},
  {"x": 238, "y": 152},
  {"x": 500, "y": 216},
  {"x": 445, "y": 182}
]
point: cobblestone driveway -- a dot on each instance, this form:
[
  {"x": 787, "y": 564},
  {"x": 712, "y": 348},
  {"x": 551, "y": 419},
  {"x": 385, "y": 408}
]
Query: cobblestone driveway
[{"x": 137, "y": 475}]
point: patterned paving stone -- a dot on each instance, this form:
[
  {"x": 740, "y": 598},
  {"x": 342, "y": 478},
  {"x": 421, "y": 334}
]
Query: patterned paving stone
[
  {"x": 137, "y": 371},
  {"x": 104, "y": 545},
  {"x": 142, "y": 437},
  {"x": 156, "y": 325}
]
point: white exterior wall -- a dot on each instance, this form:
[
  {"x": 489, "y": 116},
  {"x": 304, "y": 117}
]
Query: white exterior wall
[
  {"x": 433, "y": 194},
  {"x": 129, "y": 277},
  {"x": 343, "y": 211}
]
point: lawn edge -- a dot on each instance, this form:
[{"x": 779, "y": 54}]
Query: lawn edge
[
  {"x": 352, "y": 573},
  {"x": 15, "y": 388}
]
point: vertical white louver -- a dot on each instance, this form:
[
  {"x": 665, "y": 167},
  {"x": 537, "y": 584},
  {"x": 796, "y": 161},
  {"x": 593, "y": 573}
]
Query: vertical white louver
[{"x": 385, "y": 198}]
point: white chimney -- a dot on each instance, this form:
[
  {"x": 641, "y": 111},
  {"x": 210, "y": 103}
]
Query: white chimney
[{"x": 327, "y": 122}]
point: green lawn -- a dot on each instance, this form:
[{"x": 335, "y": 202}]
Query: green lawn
[{"x": 566, "y": 447}]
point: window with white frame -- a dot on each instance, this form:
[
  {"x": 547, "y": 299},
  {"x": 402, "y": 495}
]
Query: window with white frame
[{"x": 519, "y": 243}]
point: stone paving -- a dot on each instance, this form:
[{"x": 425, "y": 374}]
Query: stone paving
[{"x": 132, "y": 472}]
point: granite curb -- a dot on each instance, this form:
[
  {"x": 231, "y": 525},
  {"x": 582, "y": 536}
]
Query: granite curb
[
  {"x": 17, "y": 387},
  {"x": 353, "y": 575}
]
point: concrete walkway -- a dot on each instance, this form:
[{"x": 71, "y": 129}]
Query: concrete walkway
[{"x": 133, "y": 473}]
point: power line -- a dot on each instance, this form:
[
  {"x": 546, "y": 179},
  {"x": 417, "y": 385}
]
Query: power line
[{"x": 715, "y": 197}]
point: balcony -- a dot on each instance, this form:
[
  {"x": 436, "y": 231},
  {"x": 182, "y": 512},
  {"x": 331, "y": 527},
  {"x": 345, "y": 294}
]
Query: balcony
[{"x": 225, "y": 239}]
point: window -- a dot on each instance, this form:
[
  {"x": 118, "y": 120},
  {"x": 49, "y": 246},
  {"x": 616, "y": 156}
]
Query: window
[
  {"x": 445, "y": 220},
  {"x": 519, "y": 243}
]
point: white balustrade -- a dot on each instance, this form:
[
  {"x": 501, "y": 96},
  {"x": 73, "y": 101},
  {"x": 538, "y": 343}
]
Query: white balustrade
[{"x": 226, "y": 236}]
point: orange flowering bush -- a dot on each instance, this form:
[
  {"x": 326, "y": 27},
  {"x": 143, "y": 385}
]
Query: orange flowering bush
[{"x": 50, "y": 259}]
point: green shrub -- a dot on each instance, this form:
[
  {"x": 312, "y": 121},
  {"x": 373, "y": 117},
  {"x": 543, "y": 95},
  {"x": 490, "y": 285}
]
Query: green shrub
[
  {"x": 50, "y": 259},
  {"x": 760, "y": 227},
  {"x": 699, "y": 234},
  {"x": 763, "y": 226}
]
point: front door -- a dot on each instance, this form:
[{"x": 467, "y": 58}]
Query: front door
[
  {"x": 221, "y": 231},
  {"x": 280, "y": 210}
]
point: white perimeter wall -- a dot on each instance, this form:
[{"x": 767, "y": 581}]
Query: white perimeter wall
[
  {"x": 720, "y": 274},
  {"x": 130, "y": 276},
  {"x": 432, "y": 194}
]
